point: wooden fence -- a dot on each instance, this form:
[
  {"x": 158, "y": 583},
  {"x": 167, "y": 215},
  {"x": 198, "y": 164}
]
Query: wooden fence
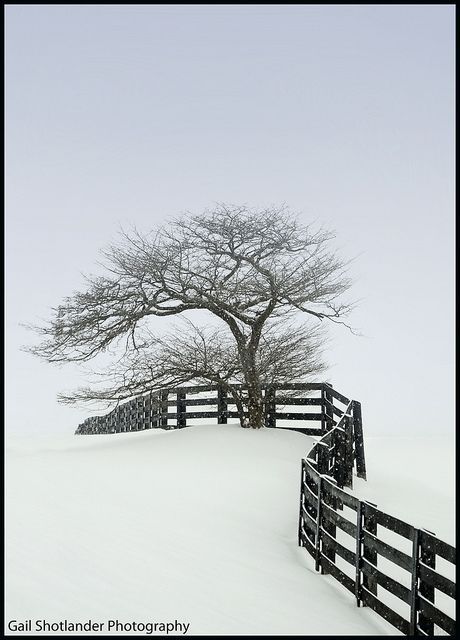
[
  {"x": 352, "y": 549},
  {"x": 173, "y": 408},
  {"x": 349, "y": 539}
]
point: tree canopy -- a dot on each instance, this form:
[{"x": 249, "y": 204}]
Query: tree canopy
[{"x": 256, "y": 271}]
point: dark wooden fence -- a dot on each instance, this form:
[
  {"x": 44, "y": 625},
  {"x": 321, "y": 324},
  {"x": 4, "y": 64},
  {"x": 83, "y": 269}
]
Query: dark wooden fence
[
  {"x": 173, "y": 408},
  {"x": 351, "y": 548},
  {"x": 349, "y": 538}
]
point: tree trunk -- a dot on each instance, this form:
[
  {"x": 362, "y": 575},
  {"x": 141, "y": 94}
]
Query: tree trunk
[
  {"x": 240, "y": 406},
  {"x": 255, "y": 402},
  {"x": 252, "y": 400},
  {"x": 256, "y": 418}
]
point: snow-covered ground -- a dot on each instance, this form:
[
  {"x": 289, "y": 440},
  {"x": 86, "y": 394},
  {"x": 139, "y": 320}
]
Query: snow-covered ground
[
  {"x": 197, "y": 525},
  {"x": 412, "y": 479}
]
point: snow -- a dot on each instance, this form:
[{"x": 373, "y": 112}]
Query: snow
[
  {"x": 412, "y": 479},
  {"x": 196, "y": 525}
]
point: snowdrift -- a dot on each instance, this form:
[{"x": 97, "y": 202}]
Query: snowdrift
[{"x": 196, "y": 525}]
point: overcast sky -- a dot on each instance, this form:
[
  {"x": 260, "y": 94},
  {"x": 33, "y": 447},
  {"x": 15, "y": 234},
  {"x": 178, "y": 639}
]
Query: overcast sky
[{"x": 120, "y": 115}]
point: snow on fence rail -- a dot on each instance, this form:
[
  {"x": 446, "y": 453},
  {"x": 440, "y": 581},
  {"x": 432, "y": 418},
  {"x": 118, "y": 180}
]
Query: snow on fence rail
[{"x": 352, "y": 540}]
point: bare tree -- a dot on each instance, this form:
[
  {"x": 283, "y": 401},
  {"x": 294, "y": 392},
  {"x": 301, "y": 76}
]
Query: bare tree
[
  {"x": 189, "y": 353},
  {"x": 252, "y": 269}
]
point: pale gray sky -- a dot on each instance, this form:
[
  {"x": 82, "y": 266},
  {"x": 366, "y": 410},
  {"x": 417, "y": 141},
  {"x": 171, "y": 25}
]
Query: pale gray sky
[{"x": 131, "y": 114}]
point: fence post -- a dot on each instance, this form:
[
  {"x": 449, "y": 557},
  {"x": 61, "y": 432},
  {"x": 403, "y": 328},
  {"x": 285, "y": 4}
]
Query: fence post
[
  {"x": 348, "y": 450},
  {"x": 414, "y": 584},
  {"x": 143, "y": 411},
  {"x": 340, "y": 457},
  {"x": 369, "y": 525},
  {"x": 358, "y": 554},
  {"x": 328, "y": 404},
  {"x": 302, "y": 480},
  {"x": 181, "y": 409},
  {"x": 318, "y": 566},
  {"x": 270, "y": 406},
  {"x": 113, "y": 421},
  {"x": 147, "y": 411},
  {"x": 359, "y": 441},
  {"x": 152, "y": 415},
  {"x": 322, "y": 457},
  {"x": 323, "y": 411},
  {"x": 338, "y": 445},
  {"x": 221, "y": 405},
  {"x": 428, "y": 557},
  {"x": 163, "y": 409},
  {"x": 154, "y": 411},
  {"x": 328, "y": 527},
  {"x": 130, "y": 414},
  {"x": 140, "y": 413},
  {"x": 137, "y": 413},
  {"x": 126, "y": 416},
  {"x": 123, "y": 410}
]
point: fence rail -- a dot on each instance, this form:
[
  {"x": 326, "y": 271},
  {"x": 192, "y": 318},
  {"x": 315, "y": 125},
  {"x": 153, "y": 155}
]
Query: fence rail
[{"x": 327, "y": 535}]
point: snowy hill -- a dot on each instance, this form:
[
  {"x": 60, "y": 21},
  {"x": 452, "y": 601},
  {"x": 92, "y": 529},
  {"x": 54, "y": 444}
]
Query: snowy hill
[{"x": 197, "y": 525}]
